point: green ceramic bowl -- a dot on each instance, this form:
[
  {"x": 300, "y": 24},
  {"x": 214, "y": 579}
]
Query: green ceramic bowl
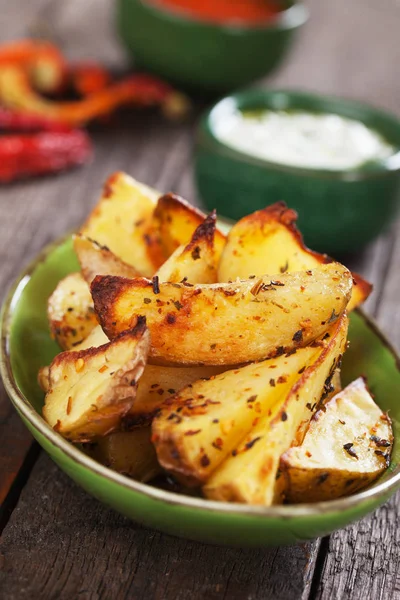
[
  {"x": 339, "y": 211},
  {"x": 202, "y": 55},
  {"x": 26, "y": 345}
]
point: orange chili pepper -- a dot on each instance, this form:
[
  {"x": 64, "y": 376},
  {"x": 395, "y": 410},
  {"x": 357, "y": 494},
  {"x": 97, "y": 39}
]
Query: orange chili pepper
[
  {"x": 88, "y": 78},
  {"x": 139, "y": 90},
  {"x": 42, "y": 60}
]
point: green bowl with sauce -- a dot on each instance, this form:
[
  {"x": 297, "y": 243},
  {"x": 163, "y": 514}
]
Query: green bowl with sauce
[
  {"x": 202, "y": 55},
  {"x": 340, "y": 210}
]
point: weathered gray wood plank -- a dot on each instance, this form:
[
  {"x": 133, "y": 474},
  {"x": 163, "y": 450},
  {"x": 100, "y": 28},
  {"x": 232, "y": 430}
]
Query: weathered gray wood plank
[{"x": 71, "y": 546}]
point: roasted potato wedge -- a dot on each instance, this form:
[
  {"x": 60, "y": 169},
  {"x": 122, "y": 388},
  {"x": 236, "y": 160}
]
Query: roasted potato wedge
[
  {"x": 268, "y": 241},
  {"x": 201, "y": 425},
  {"x": 123, "y": 221},
  {"x": 159, "y": 383},
  {"x": 347, "y": 446},
  {"x": 90, "y": 391},
  {"x": 155, "y": 385},
  {"x": 70, "y": 311},
  {"x": 225, "y": 323},
  {"x": 128, "y": 452},
  {"x": 196, "y": 262},
  {"x": 177, "y": 221},
  {"x": 249, "y": 474},
  {"x": 99, "y": 260}
]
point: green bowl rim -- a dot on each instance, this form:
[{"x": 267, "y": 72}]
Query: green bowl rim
[
  {"x": 290, "y": 18},
  {"x": 24, "y": 407},
  {"x": 206, "y": 137}
]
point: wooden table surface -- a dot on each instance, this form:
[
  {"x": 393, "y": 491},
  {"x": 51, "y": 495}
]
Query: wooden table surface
[{"x": 56, "y": 541}]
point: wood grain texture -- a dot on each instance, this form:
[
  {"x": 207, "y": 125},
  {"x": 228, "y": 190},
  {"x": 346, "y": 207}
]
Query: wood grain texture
[
  {"x": 71, "y": 546},
  {"x": 59, "y": 542}
]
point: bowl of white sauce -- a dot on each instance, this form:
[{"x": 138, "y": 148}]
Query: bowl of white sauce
[{"x": 336, "y": 161}]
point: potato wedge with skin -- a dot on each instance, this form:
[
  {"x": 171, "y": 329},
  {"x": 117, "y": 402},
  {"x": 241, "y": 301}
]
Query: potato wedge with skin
[
  {"x": 96, "y": 338},
  {"x": 177, "y": 220},
  {"x": 249, "y": 474},
  {"x": 155, "y": 384},
  {"x": 197, "y": 261},
  {"x": 123, "y": 221},
  {"x": 200, "y": 426},
  {"x": 347, "y": 446},
  {"x": 268, "y": 241},
  {"x": 95, "y": 259},
  {"x": 159, "y": 383},
  {"x": 225, "y": 323},
  {"x": 70, "y": 311},
  {"x": 90, "y": 391},
  {"x": 128, "y": 452}
]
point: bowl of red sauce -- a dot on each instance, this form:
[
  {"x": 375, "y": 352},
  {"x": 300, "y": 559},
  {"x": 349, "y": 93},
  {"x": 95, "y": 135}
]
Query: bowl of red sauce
[{"x": 211, "y": 45}]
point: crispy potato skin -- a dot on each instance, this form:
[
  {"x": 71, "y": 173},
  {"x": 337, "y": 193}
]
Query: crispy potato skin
[
  {"x": 159, "y": 383},
  {"x": 95, "y": 259},
  {"x": 177, "y": 221},
  {"x": 196, "y": 262},
  {"x": 268, "y": 241},
  {"x": 128, "y": 452},
  {"x": 91, "y": 390},
  {"x": 123, "y": 221},
  {"x": 321, "y": 468},
  {"x": 70, "y": 311},
  {"x": 225, "y": 323},
  {"x": 249, "y": 475},
  {"x": 198, "y": 428}
]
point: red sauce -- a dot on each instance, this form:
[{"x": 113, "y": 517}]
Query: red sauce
[{"x": 222, "y": 11}]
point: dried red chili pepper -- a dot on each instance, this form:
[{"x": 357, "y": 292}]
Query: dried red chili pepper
[
  {"x": 41, "y": 153},
  {"x": 21, "y": 121}
]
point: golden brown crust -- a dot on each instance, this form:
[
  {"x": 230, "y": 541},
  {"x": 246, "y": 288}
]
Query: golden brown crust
[
  {"x": 225, "y": 323},
  {"x": 177, "y": 221}
]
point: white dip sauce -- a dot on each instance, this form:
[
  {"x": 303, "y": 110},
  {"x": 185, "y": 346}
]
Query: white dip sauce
[{"x": 301, "y": 139}]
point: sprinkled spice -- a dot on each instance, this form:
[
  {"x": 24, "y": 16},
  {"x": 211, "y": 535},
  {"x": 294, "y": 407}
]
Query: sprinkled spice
[
  {"x": 171, "y": 391},
  {"x": 301, "y": 370},
  {"x": 215, "y": 420},
  {"x": 192, "y": 431},
  {"x": 256, "y": 287},
  {"x": 298, "y": 336},
  {"x": 218, "y": 443},
  {"x": 178, "y": 305},
  {"x": 252, "y": 442},
  {"x": 284, "y": 268},
  {"x": 282, "y": 379},
  {"x": 284, "y": 416},
  {"x": 234, "y": 452},
  {"x": 382, "y": 443},
  {"x": 154, "y": 385},
  {"x": 279, "y": 351},
  {"x": 349, "y": 449},
  {"x": 171, "y": 319},
  {"x": 146, "y": 300},
  {"x": 69, "y": 405},
  {"x": 322, "y": 478},
  {"x": 174, "y": 417},
  {"x": 156, "y": 285},
  {"x": 229, "y": 292},
  {"x": 204, "y": 461},
  {"x": 196, "y": 253},
  {"x": 252, "y": 398},
  {"x": 342, "y": 422}
]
